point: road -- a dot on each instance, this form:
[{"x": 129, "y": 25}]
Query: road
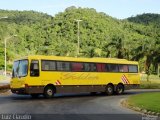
[{"x": 71, "y": 105}]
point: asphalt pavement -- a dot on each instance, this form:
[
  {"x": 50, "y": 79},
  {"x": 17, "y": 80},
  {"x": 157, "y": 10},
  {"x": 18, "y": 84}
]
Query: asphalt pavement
[{"x": 71, "y": 106}]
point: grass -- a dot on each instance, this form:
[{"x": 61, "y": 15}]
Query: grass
[{"x": 147, "y": 101}]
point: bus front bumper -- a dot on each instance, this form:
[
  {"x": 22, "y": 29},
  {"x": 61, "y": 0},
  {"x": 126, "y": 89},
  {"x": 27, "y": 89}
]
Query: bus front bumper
[
  {"x": 19, "y": 90},
  {"x": 28, "y": 90}
]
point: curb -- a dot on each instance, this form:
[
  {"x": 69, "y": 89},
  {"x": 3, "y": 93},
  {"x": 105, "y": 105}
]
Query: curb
[{"x": 125, "y": 103}]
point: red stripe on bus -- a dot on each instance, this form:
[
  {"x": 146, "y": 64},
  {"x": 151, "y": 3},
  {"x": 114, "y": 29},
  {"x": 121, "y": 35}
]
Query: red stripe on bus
[
  {"x": 56, "y": 83},
  {"x": 126, "y": 79},
  {"x": 59, "y": 82}
]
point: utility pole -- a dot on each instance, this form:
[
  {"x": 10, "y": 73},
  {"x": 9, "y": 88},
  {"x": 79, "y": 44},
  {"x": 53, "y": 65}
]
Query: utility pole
[
  {"x": 5, "y": 53},
  {"x": 78, "y": 42},
  {"x": 4, "y": 48},
  {"x": 158, "y": 69}
]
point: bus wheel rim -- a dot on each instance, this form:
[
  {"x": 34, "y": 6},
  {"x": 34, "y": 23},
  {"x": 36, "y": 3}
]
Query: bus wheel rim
[
  {"x": 49, "y": 92},
  {"x": 120, "y": 90},
  {"x": 109, "y": 89}
]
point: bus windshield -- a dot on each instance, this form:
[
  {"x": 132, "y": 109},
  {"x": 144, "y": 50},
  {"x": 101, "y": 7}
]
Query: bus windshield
[{"x": 20, "y": 68}]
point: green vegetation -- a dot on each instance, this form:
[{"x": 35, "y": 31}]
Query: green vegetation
[
  {"x": 153, "y": 83},
  {"x": 152, "y": 78},
  {"x": 146, "y": 19},
  {"x": 135, "y": 38},
  {"x": 149, "y": 85},
  {"x": 147, "y": 101}
]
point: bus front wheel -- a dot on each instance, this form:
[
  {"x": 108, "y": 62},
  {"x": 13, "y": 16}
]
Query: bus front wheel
[
  {"x": 49, "y": 92},
  {"x": 109, "y": 89}
]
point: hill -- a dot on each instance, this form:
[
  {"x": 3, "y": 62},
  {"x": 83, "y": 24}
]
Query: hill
[
  {"x": 100, "y": 36},
  {"x": 146, "y": 19}
]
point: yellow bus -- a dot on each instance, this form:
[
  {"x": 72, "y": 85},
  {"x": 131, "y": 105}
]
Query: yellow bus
[{"x": 47, "y": 75}]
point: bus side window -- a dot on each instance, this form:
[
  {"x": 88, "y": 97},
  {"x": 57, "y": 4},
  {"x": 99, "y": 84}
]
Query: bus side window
[
  {"x": 76, "y": 67},
  {"x": 63, "y": 66},
  {"x": 107, "y": 68},
  {"x": 123, "y": 68},
  {"x": 48, "y": 65},
  {"x": 93, "y": 67},
  {"x": 112, "y": 68},
  {"x": 86, "y": 67},
  {"x": 133, "y": 68},
  {"x": 34, "y": 68},
  {"x": 99, "y": 67},
  {"x": 103, "y": 67}
]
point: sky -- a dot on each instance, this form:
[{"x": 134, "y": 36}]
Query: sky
[{"x": 116, "y": 8}]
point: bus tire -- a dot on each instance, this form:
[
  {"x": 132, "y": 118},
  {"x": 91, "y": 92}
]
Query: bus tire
[
  {"x": 109, "y": 89},
  {"x": 119, "y": 89},
  {"x": 49, "y": 92}
]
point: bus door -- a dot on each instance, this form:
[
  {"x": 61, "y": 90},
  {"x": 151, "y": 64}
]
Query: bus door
[{"x": 34, "y": 73}]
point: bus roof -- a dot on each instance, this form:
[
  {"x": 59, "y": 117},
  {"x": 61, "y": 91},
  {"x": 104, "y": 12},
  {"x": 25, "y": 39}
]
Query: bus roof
[{"x": 94, "y": 59}]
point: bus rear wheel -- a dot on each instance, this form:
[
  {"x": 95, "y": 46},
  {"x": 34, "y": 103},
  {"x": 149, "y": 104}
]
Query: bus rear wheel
[
  {"x": 109, "y": 89},
  {"x": 48, "y": 92},
  {"x": 119, "y": 89}
]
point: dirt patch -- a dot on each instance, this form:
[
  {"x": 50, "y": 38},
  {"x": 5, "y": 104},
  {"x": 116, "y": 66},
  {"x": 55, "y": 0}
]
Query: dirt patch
[
  {"x": 5, "y": 89},
  {"x": 5, "y": 92}
]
